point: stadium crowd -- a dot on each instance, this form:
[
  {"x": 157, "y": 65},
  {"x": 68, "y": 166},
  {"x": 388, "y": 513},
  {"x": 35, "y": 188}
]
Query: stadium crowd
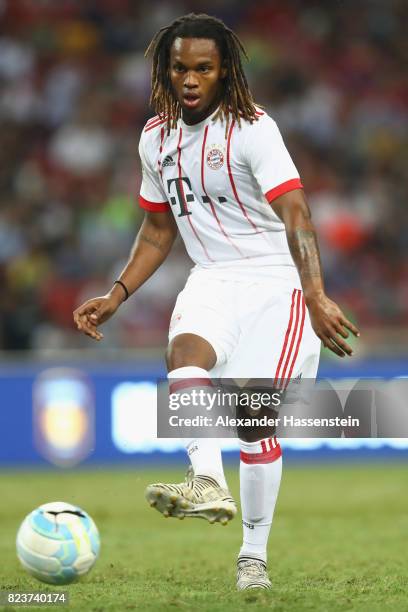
[{"x": 74, "y": 90}]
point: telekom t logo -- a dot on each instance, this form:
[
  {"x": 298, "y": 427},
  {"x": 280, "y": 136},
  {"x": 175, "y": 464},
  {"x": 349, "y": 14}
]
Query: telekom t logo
[{"x": 182, "y": 198}]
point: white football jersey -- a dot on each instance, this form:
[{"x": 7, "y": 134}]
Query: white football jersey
[{"x": 219, "y": 186}]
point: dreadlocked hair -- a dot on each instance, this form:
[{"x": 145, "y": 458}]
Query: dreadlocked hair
[{"x": 236, "y": 102}]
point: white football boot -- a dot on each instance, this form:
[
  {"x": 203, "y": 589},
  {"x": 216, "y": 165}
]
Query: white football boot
[
  {"x": 251, "y": 574},
  {"x": 196, "y": 497}
]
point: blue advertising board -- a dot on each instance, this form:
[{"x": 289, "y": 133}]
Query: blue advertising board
[{"x": 74, "y": 414}]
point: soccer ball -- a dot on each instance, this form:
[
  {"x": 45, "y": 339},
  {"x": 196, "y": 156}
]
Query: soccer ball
[{"x": 57, "y": 543}]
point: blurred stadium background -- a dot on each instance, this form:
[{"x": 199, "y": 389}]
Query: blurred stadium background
[{"x": 74, "y": 89}]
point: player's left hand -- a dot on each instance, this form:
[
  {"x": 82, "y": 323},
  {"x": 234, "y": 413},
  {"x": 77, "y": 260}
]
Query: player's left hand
[{"x": 330, "y": 325}]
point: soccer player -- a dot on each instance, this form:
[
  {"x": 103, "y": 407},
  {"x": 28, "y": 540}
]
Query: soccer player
[{"x": 215, "y": 169}]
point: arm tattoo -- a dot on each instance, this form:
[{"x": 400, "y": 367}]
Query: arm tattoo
[
  {"x": 305, "y": 251},
  {"x": 153, "y": 242}
]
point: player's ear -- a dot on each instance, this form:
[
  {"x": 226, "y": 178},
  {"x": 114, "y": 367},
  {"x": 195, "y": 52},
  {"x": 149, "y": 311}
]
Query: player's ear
[{"x": 224, "y": 71}]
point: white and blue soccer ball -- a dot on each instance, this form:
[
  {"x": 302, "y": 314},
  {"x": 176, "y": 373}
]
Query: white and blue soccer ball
[{"x": 57, "y": 543}]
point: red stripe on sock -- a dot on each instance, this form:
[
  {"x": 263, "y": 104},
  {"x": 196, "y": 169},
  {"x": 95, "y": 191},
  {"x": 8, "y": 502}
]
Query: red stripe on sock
[
  {"x": 190, "y": 382},
  {"x": 264, "y": 457}
]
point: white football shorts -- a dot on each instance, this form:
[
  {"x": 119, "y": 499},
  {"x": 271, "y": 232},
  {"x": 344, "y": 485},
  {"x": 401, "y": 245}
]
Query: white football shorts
[{"x": 258, "y": 328}]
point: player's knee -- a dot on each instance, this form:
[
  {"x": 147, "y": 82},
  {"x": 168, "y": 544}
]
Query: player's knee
[
  {"x": 246, "y": 434},
  {"x": 179, "y": 354},
  {"x": 184, "y": 351}
]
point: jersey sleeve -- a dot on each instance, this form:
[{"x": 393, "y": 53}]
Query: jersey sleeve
[
  {"x": 152, "y": 196},
  {"x": 269, "y": 159}
]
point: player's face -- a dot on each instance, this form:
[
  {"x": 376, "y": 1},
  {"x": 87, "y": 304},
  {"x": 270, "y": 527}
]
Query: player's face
[{"x": 196, "y": 74}]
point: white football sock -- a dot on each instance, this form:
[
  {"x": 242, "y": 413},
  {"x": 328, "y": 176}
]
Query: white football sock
[
  {"x": 260, "y": 476},
  {"x": 204, "y": 453}
]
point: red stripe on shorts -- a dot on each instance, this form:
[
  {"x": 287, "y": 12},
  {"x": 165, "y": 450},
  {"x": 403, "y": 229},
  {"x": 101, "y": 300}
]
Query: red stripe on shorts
[
  {"x": 303, "y": 309},
  {"x": 285, "y": 343},
  {"x": 292, "y": 342}
]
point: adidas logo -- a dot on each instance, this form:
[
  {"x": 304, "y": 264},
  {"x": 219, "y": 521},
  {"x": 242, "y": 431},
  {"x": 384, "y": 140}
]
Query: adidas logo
[
  {"x": 168, "y": 161},
  {"x": 249, "y": 525}
]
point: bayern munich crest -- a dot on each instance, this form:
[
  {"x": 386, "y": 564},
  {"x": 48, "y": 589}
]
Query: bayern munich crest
[{"x": 215, "y": 158}]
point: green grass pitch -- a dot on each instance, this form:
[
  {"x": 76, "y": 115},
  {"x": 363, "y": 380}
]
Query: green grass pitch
[{"x": 339, "y": 542}]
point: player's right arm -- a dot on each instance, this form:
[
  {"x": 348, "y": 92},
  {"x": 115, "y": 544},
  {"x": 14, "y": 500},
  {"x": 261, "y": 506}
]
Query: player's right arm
[{"x": 152, "y": 245}]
